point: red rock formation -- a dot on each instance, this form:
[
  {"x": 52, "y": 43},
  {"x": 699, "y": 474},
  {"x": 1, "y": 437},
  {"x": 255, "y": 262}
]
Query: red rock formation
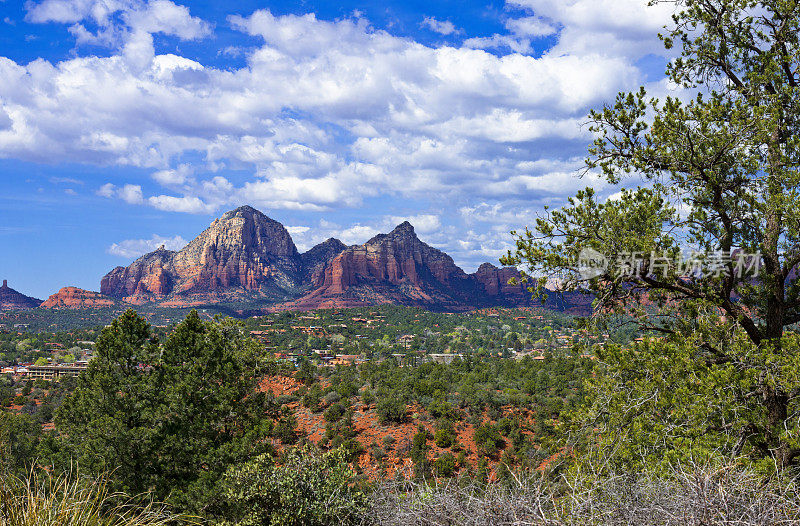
[
  {"x": 393, "y": 268},
  {"x": 244, "y": 257},
  {"x": 10, "y": 299},
  {"x": 75, "y": 298},
  {"x": 244, "y": 250},
  {"x": 315, "y": 260},
  {"x": 495, "y": 283},
  {"x": 497, "y": 291}
]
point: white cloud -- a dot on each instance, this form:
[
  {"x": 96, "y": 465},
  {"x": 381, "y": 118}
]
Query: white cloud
[
  {"x": 191, "y": 205},
  {"x": 131, "y": 248},
  {"x": 131, "y": 194},
  {"x": 443, "y": 27},
  {"x": 298, "y": 230},
  {"x": 126, "y": 24},
  {"x": 532, "y": 26},
  {"x": 153, "y": 16},
  {"x": 332, "y": 114},
  {"x": 357, "y": 234},
  {"x": 134, "y": 108},
  {"x": 422, "y": 223},
  {"x": 163, "y": 16},
  {"x": 612, "y": 27},
  {"x": 305, "y": 237},
  {"x": 426, "y": 225},
  {"x": 172, "y": 177},
  {"x": 107, "y": 190},
  {"x": 497, "y": 41},
  {"x": 497, "y": 213}
]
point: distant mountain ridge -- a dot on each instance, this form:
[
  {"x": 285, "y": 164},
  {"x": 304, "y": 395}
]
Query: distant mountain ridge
[
  {"x": 245, "y": 255},
  {"x": 247, "y": 259}
]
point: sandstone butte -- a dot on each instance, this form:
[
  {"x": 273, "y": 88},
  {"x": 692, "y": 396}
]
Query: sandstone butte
[
  {"x": 10, "y": 299},
  {"x": 246, "y": 258},
  {"x": 75, "y": 298}
]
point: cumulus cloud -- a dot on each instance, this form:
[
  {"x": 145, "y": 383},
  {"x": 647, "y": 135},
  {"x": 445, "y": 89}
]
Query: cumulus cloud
[
  {"x": 327, "y": 115},
  {"x": 498, "y": 41},
  {"x": 132, "y": 248},
  {"x": 420, "y": 118},
  {"x": 131, "y": 194},
  {"x": 305, "y": 237},
  {"x": 172, "y": 177},
  {"x": 163, "y": 16},
  {"x": 107, "y": 190},
  {"x": 423, "y": 223},
  {"x": 443, "y": 27},
  {"x": 298, "y": 230},
  {"x": 187, "y": 204},
  {"x": 532, "y": 26},
  {"x": 615, "y": 27},
  {"x": 154, "y": 16},
  {"x": 427, "y": 226}
]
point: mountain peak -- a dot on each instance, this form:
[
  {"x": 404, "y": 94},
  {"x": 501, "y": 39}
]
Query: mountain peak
[
  {"x": 244, "y": 250},
  {"x": 405, "y": 227},
  {"x": 330, "y": 244},
  {"x": 243, "y": 211},
  {"x": 5, "y": 284}
]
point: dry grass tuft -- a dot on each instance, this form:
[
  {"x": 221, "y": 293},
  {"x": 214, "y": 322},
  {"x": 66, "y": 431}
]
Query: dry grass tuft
[{"x": 43, "y": 499}]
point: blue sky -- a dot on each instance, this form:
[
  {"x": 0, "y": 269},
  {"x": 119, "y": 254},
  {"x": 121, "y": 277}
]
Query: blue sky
[{"x": 125, "y": 124}]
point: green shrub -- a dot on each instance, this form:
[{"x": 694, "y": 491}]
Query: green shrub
[
  {"x": 286, "y": 430},
  {"x": 308, "y": 488},
  {"x": 367, "y": 397},
  {"x": 488, "y": 440},
  {"x": 391, "y": 410},
  {"x": 334, "y": 413},
  {"x": 445, "y": 435},
  {"x": 442, "y": 409},
  {"x": 419, "y": 445},
  {"x": 446, "y": 465}
]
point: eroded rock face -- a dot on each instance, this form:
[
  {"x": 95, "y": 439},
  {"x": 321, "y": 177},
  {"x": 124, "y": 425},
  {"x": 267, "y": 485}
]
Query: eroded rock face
[
  {"x": 396, "y": 267},
  {"x": 495, "y": 283},
  {"x": 243, "y": 250},
  {"x": 316, "y": 259},
  {"x": 497, "y": 291},
  {"x": 76, "y": 298},
  {"x": 10, "y": 299},
  {"x": 150, "y": 274}
]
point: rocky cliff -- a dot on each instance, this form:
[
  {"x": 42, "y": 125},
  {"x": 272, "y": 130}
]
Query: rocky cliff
[
  {"x": 10, "y": 299},
  {"x": 315, "y": 260},
  {"x": 494, "y": 283},
  {"x": 243, "y": 251},
  {"x": 393, "y": 268},
  {"x": 75, "y": 298}
]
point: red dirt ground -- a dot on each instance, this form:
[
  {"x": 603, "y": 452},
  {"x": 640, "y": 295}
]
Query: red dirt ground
[{"x": 369, "y": 432}]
